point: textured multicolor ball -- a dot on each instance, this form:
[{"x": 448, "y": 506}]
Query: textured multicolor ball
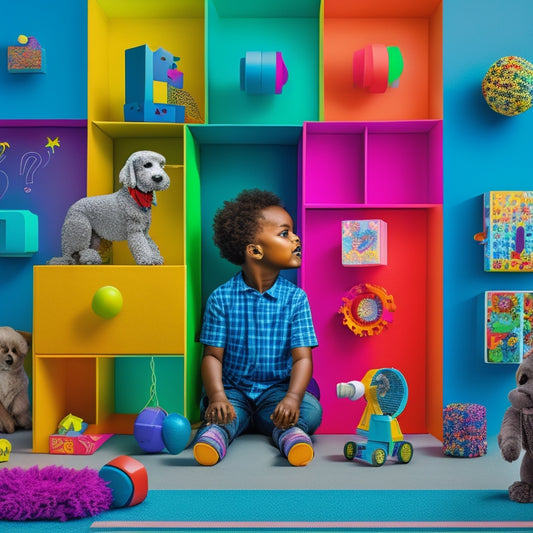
[
  {"x": 464, "y": 430},
  {"x": 508, "y": 86}
]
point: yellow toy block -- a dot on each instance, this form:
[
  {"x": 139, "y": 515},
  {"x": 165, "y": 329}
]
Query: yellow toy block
[
  {"x": 160, "y": 92},
  {"x": 5, "y": 450},
  {"x": 70, "y": 423}
]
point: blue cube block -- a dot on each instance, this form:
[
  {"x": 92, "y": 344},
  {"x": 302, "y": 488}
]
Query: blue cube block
[
  {"x": 19, "y": 233},
  {"x": 139, "y": 74}
]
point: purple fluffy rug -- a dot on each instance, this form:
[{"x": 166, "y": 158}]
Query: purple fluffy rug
[{"x": 52, "y": 493}]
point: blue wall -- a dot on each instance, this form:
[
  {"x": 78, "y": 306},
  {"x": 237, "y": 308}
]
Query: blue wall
[
  {"x": 60, "y": 178},
  {"x": 61, "y": 29},
  {"x": 483, "y": 151}
]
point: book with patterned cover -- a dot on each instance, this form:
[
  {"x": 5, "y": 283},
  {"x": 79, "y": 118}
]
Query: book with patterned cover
[{"x": 508, "y": 231}]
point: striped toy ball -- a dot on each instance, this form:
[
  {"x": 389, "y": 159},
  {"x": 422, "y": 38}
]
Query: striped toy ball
[{"x": 508, "y": 86}]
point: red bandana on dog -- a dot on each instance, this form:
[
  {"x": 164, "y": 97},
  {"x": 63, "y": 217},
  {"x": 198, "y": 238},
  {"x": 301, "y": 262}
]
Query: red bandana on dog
[{"x": 143, "y": 199}]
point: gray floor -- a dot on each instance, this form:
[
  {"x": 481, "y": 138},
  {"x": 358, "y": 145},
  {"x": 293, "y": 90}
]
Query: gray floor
[{"x": 253, "y": 463}]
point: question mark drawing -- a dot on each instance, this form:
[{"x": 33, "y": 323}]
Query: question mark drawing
[
  {"x": 4, "y": 183},
  {"x": 29, "y": 163}
]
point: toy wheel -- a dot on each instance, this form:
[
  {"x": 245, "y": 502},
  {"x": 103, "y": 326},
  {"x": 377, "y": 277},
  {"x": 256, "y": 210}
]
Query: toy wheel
[
  {"x": 379, "y": 457},
  {"x": 405, "y": 452},
  {"x": 350, "y": 450}
]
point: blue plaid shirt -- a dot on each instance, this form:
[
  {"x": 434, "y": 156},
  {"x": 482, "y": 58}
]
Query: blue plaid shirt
[{"x": 257, "y": 331}]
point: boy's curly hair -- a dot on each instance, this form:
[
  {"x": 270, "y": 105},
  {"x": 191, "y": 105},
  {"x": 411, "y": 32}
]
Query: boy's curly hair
[{"x": 238, "y": 221}]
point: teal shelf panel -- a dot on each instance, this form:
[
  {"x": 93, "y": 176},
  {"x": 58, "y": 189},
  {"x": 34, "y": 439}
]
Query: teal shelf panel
[
  {"x": 267, "y": 9},
  {"x": 133, "y": 382},
  {"x": 291, "y": 28},
  {"x": 246, "y": 134}
]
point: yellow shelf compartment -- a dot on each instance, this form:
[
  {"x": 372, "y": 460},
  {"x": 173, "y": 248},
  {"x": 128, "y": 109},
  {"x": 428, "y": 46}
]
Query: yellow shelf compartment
[
  {"x": 87, "y": 386},
  {"x": 83, "y": 386},
  {"x": 141, "y": 130},
  {"x": 151, "y": 321},
  {"x": 112, "y": 144},
  {"x": 117, "y": 25}
]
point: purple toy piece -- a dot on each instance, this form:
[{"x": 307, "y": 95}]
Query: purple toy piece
[{"x": 148, "y": 429}]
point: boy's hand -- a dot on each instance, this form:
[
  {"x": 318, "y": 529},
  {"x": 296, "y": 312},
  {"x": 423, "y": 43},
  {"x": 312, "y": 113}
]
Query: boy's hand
[
  {"x": 286, "y": 413},
  {"x": 219, "y": 412}
]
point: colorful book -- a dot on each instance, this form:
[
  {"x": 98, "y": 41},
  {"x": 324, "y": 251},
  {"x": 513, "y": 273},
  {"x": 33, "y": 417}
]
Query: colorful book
[{"x": 508, "y": 231}]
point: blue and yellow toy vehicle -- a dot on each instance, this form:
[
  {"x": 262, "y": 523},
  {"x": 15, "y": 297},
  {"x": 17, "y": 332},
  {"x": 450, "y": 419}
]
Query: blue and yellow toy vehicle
[{"x": 385, "y": 391}]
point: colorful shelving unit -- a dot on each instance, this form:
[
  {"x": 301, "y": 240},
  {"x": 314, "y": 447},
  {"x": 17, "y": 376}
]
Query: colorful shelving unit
[
  {"x": 345, "y": 176},
  {"x": 95, "y": 379},
  {"x": 384, "y": 164},
  {"x": 75, "y": 350},
  {"x": 331, "y": 150},
  {"x": 114, "y": 27}
]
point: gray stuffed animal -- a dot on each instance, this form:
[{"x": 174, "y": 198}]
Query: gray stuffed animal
[
  {"x": 516, "y": 431},
  {"x": 123, "y": 215}
]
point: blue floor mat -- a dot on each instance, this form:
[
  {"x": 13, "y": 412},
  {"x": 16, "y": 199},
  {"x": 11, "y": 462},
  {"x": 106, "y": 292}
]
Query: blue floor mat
[{"x": 304, "y": 510}]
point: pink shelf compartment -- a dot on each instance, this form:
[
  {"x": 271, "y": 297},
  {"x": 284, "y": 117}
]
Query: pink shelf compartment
[
  {"x": 341, "y": 355},
  {"x": 334, "y": 163}
]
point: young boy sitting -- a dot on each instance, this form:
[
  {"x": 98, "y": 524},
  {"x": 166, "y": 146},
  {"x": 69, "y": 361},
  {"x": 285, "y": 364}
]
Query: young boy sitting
[{"x": 257, "y": 335}]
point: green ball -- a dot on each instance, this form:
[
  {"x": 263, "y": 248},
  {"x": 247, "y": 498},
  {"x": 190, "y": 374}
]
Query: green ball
[{"x": 107, "y": 302}]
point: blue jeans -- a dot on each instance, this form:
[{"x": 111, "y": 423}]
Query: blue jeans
[{"x": 254, "y": 415}]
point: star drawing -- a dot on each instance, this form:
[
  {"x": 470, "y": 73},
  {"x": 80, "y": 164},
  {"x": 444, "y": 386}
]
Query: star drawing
[{"x": 52, "y": 144}]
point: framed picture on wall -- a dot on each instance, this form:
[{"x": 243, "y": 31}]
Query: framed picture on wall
[
  {"x": 507, "y": 231},
  {"x": 508, "y": 326}
]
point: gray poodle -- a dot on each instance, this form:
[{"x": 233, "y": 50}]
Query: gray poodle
[{"x": 123, "y": 215}]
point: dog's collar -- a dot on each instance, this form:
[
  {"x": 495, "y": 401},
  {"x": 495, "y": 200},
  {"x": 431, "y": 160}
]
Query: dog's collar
[{"x": 143, "y": 199}]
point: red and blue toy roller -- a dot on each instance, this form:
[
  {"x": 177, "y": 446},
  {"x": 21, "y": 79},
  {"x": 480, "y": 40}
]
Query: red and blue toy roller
[{"x": 128, "y": 480}]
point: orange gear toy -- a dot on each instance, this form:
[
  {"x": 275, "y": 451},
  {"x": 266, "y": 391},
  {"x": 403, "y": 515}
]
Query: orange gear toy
[{"x": 367, "y": 309}]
